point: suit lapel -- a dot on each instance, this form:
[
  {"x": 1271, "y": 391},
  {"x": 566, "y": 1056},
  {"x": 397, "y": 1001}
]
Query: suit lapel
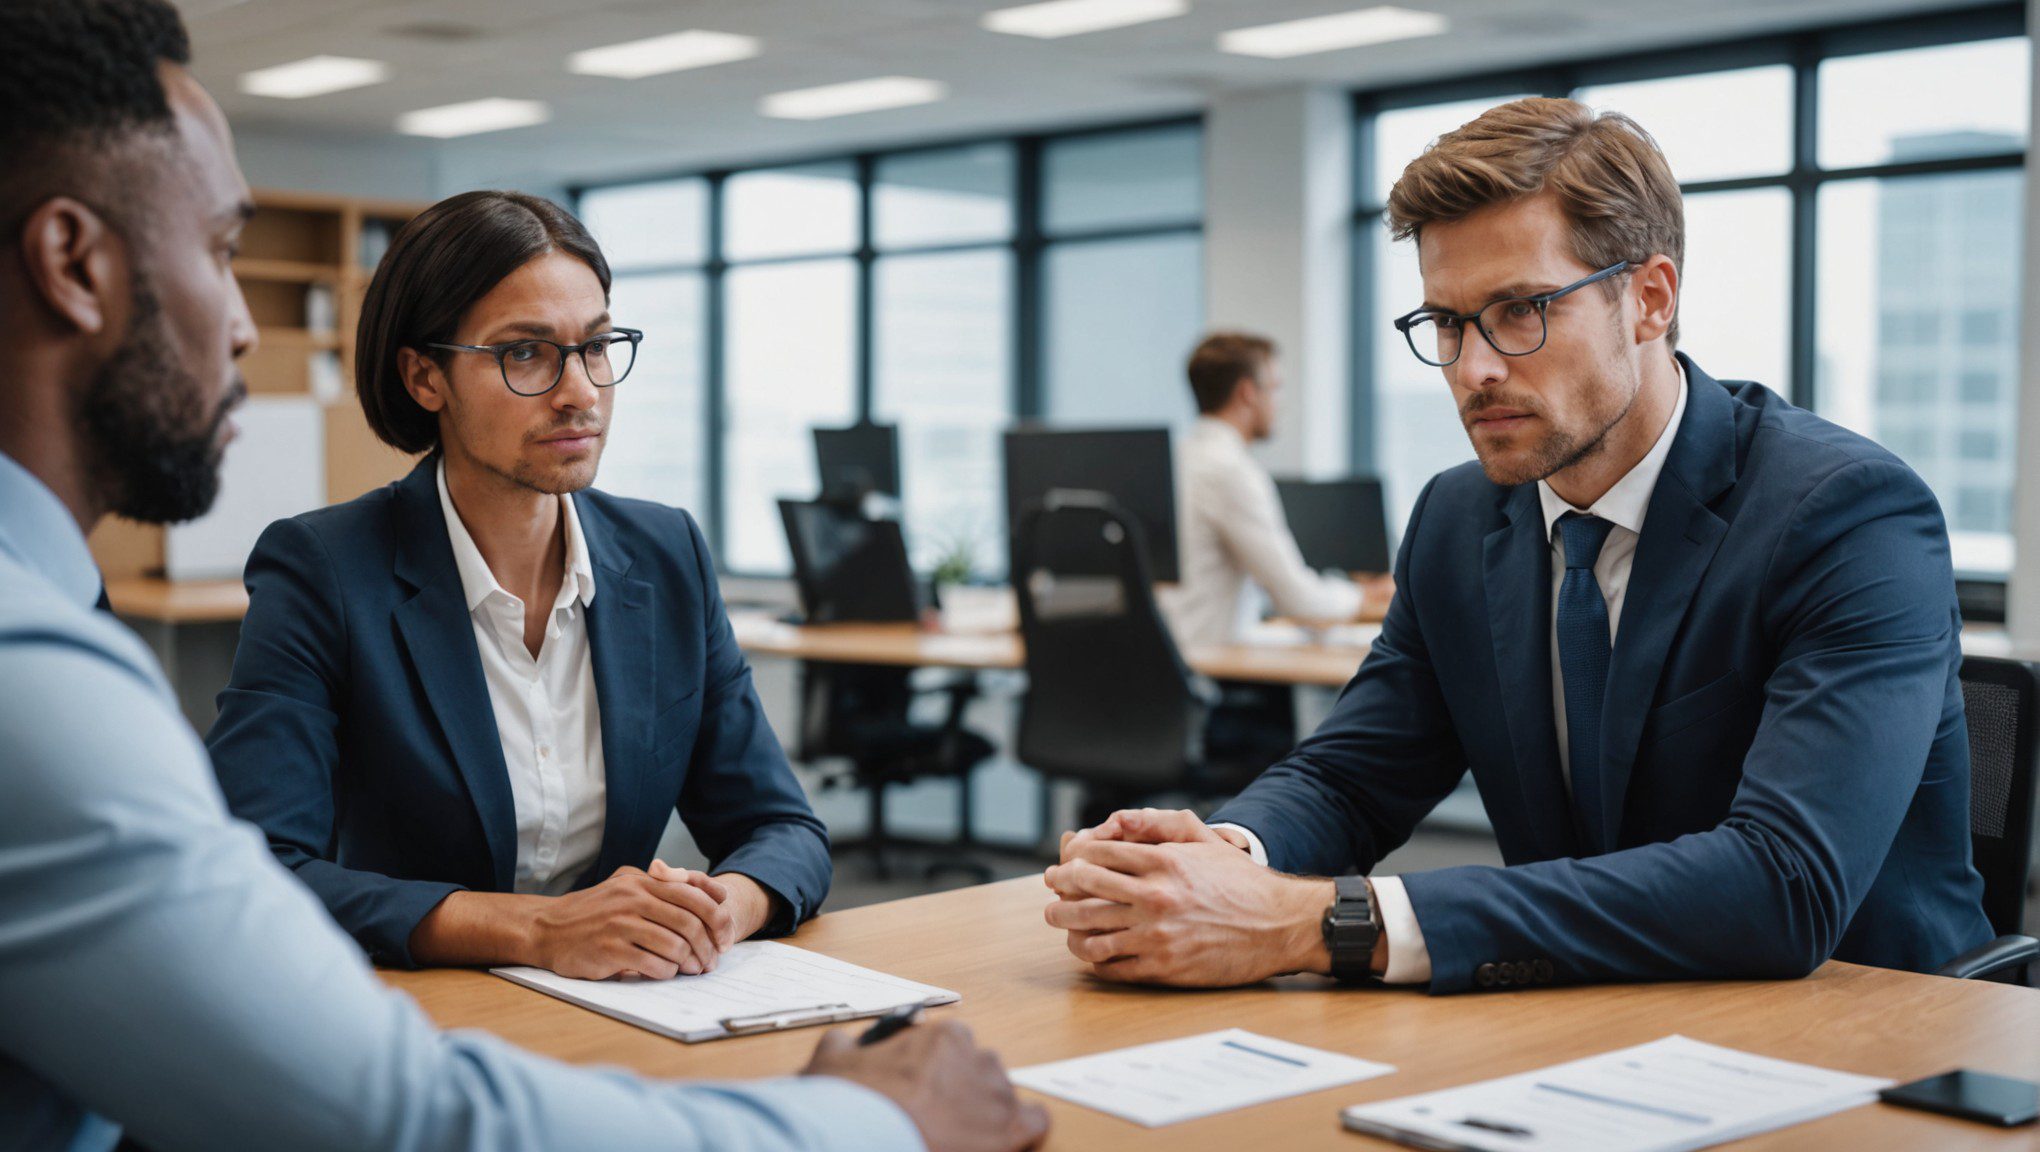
[
  {"x": 440, "y": 638},
  {"x": 1680, "y": 536},
  {"x": 1518, "y": 589},
  {"x": 620, "y": 640}
]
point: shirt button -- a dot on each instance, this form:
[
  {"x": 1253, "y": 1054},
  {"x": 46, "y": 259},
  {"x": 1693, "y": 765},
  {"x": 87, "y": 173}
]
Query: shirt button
[
  {"x": 1484, "y": 975},
  {"x": 543, "y": 751}
]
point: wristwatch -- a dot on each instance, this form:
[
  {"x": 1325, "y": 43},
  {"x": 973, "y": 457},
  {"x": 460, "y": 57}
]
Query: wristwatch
[{"x": 1351, "y": 926}]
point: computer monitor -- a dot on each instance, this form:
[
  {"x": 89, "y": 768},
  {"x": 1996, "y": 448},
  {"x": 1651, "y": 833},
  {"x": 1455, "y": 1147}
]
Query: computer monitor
[
  {"x": 1338, "y": 523},
  {"x": 1131, "y": 465},
  {"x": 857, "y": 461},
  {"x": 848, "y": 566}
]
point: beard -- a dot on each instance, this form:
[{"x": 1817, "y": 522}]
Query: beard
[
  {"x": 152, "y": 430},
  {"x": 1559, "y": 449}
]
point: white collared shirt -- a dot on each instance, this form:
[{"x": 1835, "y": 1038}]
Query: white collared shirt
[
  {"x": 1623, "y": 505},
  {"x": 546, "y": 712},
  {"x": 1232, "y": 533}
]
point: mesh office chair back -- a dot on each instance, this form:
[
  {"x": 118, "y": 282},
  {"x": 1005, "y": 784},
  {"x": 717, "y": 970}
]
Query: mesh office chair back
[
  {"x": 2002, "y": 700},
  {"x": 1109, "y": 699}
]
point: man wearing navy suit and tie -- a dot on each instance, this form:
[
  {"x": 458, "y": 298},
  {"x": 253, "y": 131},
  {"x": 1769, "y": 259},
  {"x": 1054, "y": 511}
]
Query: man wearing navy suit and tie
[{"x": 1698, "y": 647}]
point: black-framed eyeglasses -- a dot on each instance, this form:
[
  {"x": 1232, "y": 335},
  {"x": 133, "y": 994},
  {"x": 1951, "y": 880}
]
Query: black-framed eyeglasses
[
  {"x": 535, "y": 367},
  {"x": 1513, "y": 326}
]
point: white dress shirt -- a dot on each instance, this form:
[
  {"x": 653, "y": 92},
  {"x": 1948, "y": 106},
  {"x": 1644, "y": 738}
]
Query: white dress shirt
[
  {"x": 546, "y": 713},
  {"x": 1624, "y": 505},
  {"x": 1232, "y": 531}
]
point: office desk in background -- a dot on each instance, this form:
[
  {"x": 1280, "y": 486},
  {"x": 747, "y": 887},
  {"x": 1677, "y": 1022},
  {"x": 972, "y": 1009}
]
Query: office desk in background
[
  {"x": 1024, "y": 996},
  {"x": 1278, "y": 659},
  {"x": 162, "y": 605},
  {"x": 1277, "y": 654}
]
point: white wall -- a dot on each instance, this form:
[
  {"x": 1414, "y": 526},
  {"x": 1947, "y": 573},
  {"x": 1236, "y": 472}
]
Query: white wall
[
  {"x": 1278, "y": 207},
  {"x": 384, "y": 167}
]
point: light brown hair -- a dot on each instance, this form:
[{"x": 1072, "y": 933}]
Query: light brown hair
[
  {"x": 1221, "y": 361},
  {"x": 1611, "y": 180}
]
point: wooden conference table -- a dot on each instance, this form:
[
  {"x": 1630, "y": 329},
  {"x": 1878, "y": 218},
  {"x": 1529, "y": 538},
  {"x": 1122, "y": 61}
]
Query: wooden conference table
[{"x": 1024, "y": 996}]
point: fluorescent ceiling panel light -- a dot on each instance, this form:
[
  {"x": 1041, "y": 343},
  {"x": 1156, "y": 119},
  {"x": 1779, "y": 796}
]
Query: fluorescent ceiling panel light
[
  {"x": 636, "y": 59},
  {"x": 1059, "y": 18},
  {"x": 1331, "y": 33},
  {"x": 857, "y": 96},
  {"x": 466, "y": 119},
  {"x": 314, "y": 76}
]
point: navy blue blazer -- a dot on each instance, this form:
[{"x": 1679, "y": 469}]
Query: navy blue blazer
[
  {"x": 1784, "y": 763},
  {"x": 356, "y": 730}
]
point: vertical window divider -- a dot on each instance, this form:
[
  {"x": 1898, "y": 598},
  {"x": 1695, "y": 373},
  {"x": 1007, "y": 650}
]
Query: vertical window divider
[
  {"x": 714, "y": 399},
  {"x": 867, "y": 258},
  {"x": 1804, "y": 181},
  {"x": 1028, "y": 247}
]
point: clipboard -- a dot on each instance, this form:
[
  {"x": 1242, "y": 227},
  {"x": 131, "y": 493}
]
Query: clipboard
[{"x": 758, "y": 986}]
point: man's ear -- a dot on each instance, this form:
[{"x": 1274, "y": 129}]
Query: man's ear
[
  {"x": 1656, "y": 283},
  {"x": 76, "y": 263},
  {"x": 422, "y": 379}
]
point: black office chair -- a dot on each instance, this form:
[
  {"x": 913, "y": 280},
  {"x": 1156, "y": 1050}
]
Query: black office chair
[
  {"x": 1110, "y": 702},
  {"x": 2002, "y": 699},
  {"x": 861, "y": 714}
]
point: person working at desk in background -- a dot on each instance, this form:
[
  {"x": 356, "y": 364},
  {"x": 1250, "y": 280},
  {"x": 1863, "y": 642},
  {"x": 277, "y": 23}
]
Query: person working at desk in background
[
  {"x": 465, "y": 704},
  {"x": 1699, "y": 648},
  {"x": 1234, "y": 537},
  {"x": 159, "y": 971}
]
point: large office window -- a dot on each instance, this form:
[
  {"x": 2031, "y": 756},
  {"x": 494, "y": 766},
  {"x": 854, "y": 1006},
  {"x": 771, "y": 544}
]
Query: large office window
[
  {"x": 942, "y": 302},
  {"x": 949, "y": 290},
  {"x": 1853, "y": 243},
  {"x": 655, "y": 237},
  {"x": 1122, "y": 216}
]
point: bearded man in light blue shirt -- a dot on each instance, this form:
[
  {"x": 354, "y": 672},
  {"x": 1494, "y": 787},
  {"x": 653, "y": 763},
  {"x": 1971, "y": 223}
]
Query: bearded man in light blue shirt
[{"x": 159, "y": 971}]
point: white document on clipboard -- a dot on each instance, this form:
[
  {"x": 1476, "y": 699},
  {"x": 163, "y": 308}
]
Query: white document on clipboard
[
  {"x": 757, "y": 986},
  {"x": 1671, "y": 1095}
]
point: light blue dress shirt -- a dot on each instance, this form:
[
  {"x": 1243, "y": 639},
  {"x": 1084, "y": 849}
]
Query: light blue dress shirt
[{"x": 159, "y": 970}]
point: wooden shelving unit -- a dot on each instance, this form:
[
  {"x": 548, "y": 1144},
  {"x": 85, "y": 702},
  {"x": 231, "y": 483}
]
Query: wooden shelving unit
[{"x": 305, "y": 263}]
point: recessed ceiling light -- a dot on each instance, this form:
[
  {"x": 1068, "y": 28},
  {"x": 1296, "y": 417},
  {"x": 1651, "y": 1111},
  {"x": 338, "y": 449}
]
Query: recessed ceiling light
[
  {"x": 314, "y": 76},
  {"x": 1330, "y": 33},
  {"x": 1058, "y": 18},
  {"x": 873, "y": 95},
  {"x": 491, "y": 115},
  {"x": 636, "y": 59}
]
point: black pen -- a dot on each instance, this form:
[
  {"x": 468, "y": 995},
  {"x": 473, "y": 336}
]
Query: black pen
[{"x": 889, "y": 1024}]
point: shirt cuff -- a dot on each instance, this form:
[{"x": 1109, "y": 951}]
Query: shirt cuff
[
  {"x": 1409, "y": 961},
  {"x": 1254, "y": 847},
  {"x": 838, "y": 1115}
]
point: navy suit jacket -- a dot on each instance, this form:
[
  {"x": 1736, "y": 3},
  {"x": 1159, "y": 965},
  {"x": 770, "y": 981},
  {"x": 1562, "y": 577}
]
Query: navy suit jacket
[
  {"x": 1784, "y": 762},
  {"x": 357, "y": 732}
]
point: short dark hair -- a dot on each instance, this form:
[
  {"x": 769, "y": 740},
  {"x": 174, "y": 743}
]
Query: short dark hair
[
  {"x": 439, "y": 264},
  {"x": 1221, "y": 361},
  {"x": 76, "y": 77}
]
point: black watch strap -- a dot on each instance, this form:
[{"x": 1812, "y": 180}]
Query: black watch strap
[{"x": 1352, "y": 925}]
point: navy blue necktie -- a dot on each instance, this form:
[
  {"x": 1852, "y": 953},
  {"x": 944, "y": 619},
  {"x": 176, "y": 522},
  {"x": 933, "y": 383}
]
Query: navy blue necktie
[{"x": 1583, "y": 665}]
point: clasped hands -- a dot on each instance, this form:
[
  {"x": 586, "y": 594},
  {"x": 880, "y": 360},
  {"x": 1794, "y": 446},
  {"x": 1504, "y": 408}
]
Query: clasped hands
[
  {"x": 656, "y": 923},
  {"x": 1159, "y": 897}
]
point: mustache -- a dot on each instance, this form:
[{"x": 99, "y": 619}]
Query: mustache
[
  {"x": 576, "y": 427},
  {"x": 1482, "y": 401},
  {"x": 237, "y": 394}
]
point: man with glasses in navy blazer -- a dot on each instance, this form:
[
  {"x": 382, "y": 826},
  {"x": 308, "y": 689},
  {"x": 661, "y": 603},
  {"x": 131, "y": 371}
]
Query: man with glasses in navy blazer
[{"x": 1698, "y": 647}]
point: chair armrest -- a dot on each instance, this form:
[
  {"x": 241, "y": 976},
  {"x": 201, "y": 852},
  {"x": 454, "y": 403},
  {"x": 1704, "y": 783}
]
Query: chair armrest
[{"x": 2001, "y": 954}]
